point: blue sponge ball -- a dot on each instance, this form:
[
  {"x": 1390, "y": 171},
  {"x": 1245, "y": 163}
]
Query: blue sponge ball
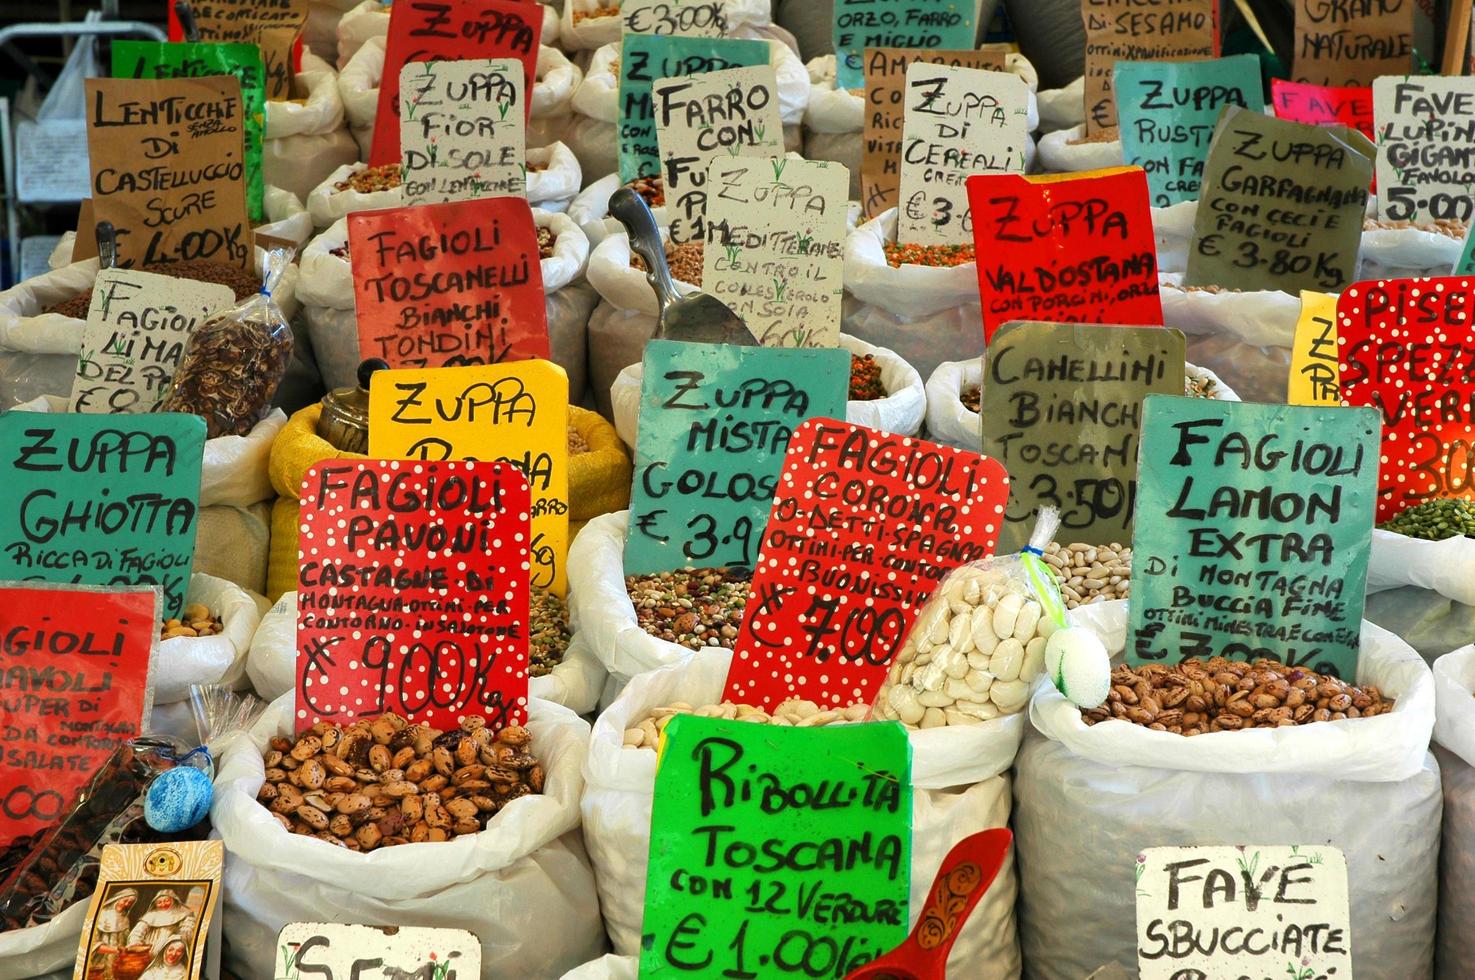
[{"x": 177, "y": 800}]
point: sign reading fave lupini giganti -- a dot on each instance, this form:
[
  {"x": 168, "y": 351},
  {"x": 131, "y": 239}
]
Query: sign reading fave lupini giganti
[
  {"x": 1426, "y": 148},
  {"x": 412, "y": 592}
]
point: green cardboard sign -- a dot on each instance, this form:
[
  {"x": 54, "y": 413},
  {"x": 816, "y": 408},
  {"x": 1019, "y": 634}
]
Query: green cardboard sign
[
  {"x": 861, "y": 24},
  {"x": 645, "y": 58},
  {"x": 1062, "y": 410},
  {"x": 1166, "y": 111},
  {"x": 1257, "y": 527},
  {"x": 1466, "y": 265},
  {"x": 777, "y": 852},
  {"x": 153, "y": 59},
  {"x": 101, "y": 499},
  {"x": 715, "y": 422},
  {"x": 1281, "y": 205}
]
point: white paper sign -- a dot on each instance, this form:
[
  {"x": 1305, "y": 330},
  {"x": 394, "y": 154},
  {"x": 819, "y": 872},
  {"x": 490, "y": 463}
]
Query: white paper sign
[
  {"x": 956, "y": 122},
  {"x": 1226, "y": 913},
  {"x": 462, "y": 130},
  {"x": 310, "y": 950},
  {"x": 690, "y": 18},
  {"x": 51, "y": 161},
  {"x": 1426, "y": 153},
  {"x": 776, "y": 246},
  {"x": 138, "y": 325},
  {"x": 700, "y": 118}
]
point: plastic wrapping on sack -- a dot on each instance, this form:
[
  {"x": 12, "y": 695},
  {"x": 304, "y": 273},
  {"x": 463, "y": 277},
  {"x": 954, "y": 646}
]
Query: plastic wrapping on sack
[
  {"x": 551, "y": 94},
  {"x": 38, "y": 350},
  {"x": 610, "y": 966},
  {"x": 952, "y": 423},
  {"x": 1062, "y": 108},
  {"x": 507, "y": 884},
  {"x": 901, "y": 411},
  {"x": 1244, "y": 338},
  {"x": 1066, "y": 151},
  {"x": 960, "y": 777},
  {"x": 185, "y": 661},
  {"x": 745, "y": 19},
  {"x": 47, "y": 951},
  {"x": 271, "y": 664},
  {"x": 1085, "y": 806},
  {"x": 305, "y": 138},
  {"x": 1454, "y": 747},
  {"x": 977, "y": 645},
  {"x": 1444, "y": 567},
  {"x": 593, "y": 130},
  {"x": 927, "y": 315},
  {"x": 326, "y": 291}
]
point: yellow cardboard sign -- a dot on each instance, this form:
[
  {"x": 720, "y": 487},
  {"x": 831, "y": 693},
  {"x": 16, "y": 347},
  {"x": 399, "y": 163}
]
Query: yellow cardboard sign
[
  {"x": 1315, "y": 373},
  {"x": 515, "y": 411}
]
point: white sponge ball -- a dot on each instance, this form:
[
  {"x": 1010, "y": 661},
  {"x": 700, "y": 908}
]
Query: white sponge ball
[{"x": 1077, "y": 661}]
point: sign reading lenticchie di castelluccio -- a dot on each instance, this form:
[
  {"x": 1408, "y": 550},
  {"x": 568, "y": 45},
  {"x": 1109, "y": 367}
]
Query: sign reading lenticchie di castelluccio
[
  {"x": 715, "y": 422},
  {"x": 862, "y": 24},
  {"x": 1062, "y": 410},
  {"x": 101, "y": 499},
  {"x": 712, "y": 116},
  {"x": 1227, "y": 913},
  {"x": 1281, "y": 205},
  {"x": 1167, "y": 110},
  {"x": 776, "y": 247},
  {"x": 1426, "y": 148},
  {"x": 1261, "y": 526},
  {"x": 647, "y": 58},
  {"x": 826, "y": 811}
]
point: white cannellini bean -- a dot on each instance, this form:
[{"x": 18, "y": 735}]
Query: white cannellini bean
[
  {"x": 981, "y": 625},
  {"x": 1008, "y": 658},
  {"x": 1034, "y": 659},
  {"x": 1005, "y": 613},
  {"x": 904, "y": 702},
  {"x": 1009, "y": 696},
  {"x": 1025, "y": 622}
]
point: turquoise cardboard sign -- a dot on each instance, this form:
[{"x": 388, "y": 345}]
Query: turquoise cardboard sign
[
  {"x": 1254, "y": 524},
  {"x": 777, "y": 852},
  {"x": 153, "y": 59},
  {"x": 645, "y": 58},
  {"x": 1166, "y": 111},
  {"x": 715, "y": 422},
  {"x": 101, "y": 499},
  {"x": 1466, "y": 265},
  {"x": 861, "y": 24}
]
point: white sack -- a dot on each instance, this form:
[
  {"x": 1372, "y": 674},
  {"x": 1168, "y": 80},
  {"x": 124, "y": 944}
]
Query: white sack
[
  {"x": 1085, "y": 806},
  {"x": 1062, "y": 153},
  {"x": 306, "y": 140},
  {"x": 522, "y": 886},
  {"x": 1446, "y": 567},
  {"x": 1063, "y": 108},
  {"x": 960, "y": 787},
  {"x": 47, "y": 951},
  {"x": 271, "y": 664},
  {"x": 1245, "y": 338},
  {"x": 1454, "y": 745},
  {"x": 608, "y": 967}
]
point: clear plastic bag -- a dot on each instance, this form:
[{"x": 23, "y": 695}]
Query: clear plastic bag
[
  {"x": 235, "y": 360},
  {"x": 978, "y": 645}
]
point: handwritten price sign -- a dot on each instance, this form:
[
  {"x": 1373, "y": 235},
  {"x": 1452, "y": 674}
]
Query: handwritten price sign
[
  {"x": 413, "y": 592},
  {"x": 863, "y": 527},
  {"x": 1408, "y": 349}
]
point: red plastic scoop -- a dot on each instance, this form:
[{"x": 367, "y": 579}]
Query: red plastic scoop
[{"x": 966, "y": 873}]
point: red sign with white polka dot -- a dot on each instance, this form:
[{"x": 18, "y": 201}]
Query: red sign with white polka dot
[
  {"x": 864, "y": 526},
  {"x": 1406, "y": 348},
  {"x": 412, "y": 592}
]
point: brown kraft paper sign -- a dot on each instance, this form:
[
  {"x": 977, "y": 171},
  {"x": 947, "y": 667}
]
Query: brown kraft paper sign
[
  {"x": 1139, "y": 30},
  {"x": 1352, "y": 42},
  {"x": 885, "y": 74},
  {"x": 168, "y": 170}
]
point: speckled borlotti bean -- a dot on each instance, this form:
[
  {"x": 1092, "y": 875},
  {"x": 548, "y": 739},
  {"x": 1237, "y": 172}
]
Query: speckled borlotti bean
[{"x": 975, "y": 650}]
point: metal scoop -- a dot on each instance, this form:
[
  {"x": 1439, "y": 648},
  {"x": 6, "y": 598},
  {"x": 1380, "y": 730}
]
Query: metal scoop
[{"x": 696, "y": 318}]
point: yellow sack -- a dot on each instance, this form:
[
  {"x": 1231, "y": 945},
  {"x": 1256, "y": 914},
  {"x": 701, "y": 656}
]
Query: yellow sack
[
  {"x": 599, "y": 480},
  {"x": 281, "y": 565},
  {"x": 298, "y": 447}
]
